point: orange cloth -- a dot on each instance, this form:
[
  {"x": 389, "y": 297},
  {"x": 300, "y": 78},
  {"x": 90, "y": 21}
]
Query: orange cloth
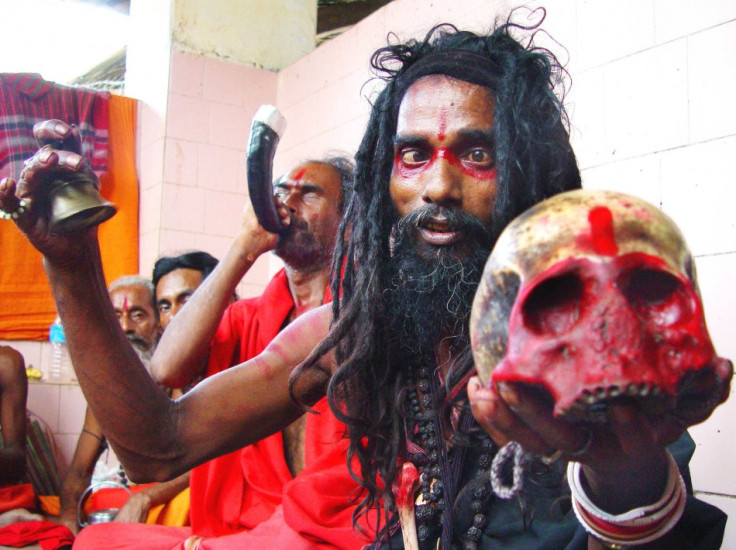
[
  {"x": 26, "y": 306},
  {"x": 173, "y": 513},
  {"x": 49, "y": 504},
  {"x": 119, "y": 235}
]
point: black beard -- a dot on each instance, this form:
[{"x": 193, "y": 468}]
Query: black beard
[
  {"x": 300, "y": 249},
  {"x": 430, "y": 289}
]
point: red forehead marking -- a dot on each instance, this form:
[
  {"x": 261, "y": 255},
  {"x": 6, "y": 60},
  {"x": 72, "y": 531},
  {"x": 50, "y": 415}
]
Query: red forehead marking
[
  {"x": 601, "y": 231},
  {"x": 300, "y": 174},
  {"x": 125, "y": 303},
  {"x": 443, "y": 125}
]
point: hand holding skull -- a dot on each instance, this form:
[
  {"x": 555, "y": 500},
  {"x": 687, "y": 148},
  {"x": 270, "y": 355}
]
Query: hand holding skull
[{"x": 589, "y": 338}]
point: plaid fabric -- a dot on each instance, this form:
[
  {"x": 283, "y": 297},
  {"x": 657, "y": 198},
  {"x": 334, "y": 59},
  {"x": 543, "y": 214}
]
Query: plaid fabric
[
  {"x": 26, "y": 99},
  {"x": 42, "y": 471}
]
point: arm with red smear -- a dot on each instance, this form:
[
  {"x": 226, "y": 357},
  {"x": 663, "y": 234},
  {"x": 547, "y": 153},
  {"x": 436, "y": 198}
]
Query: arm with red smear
[{"x": 156, "y": 438}]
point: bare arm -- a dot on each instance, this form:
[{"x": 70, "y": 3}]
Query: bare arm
[
  {"x": 13, "y": 395},
  {"x": 155, "y": 438},
  {"x": 88, "y": 450},
  {"x": 182, "y": 352}
]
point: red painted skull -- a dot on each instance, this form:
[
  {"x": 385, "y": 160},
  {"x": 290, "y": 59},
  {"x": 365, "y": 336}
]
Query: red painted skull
[{"x": 592, "y": 296}]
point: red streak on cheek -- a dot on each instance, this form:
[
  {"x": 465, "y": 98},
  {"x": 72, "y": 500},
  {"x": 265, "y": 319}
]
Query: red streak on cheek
[{"x": 601, "y": 231}]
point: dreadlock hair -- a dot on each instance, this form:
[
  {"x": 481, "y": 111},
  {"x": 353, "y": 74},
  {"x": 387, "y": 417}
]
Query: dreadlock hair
[{"x": 534, "y": 160}]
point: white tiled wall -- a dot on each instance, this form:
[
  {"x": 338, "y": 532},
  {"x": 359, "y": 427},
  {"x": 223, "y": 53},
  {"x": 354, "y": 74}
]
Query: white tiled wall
[{"x": 60, "y": 405}]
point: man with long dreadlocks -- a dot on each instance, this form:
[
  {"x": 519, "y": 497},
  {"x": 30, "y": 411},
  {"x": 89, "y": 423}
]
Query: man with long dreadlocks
[{"x": 466, "y": 134}]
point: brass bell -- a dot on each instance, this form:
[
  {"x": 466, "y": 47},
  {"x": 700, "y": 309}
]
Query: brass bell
[{"x": 76, "y": 205}]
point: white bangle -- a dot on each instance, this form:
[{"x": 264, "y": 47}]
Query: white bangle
[{"x": 638, "y": 526}]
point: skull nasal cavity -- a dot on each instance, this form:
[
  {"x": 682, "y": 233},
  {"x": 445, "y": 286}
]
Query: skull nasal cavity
[{"x": 553, "y": 307}]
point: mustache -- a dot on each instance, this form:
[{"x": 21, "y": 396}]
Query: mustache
[
  {"x": 456, "y": 219},
  {"x": 296, "y": 223},
  {"x": 137, "y": 341},
  {"x": 295, "y": 226}
]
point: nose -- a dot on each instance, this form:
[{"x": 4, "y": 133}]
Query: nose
[
  {"x": 126, "y": 324},
  {"x": 443, "y": 185},
  {"x": 290, "y": 202}
]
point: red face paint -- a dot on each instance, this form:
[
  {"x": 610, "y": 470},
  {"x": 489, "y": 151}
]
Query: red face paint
[
  {"x": 300, "y": 174},
  {"x": 601, "y": 231},
  {"x": 468, "y": 168},
  {"x": 125, "y": 304}
]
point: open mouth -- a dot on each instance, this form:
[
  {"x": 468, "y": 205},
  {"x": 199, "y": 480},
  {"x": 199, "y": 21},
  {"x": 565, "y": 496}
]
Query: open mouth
[{"x": 438, "y": 232}]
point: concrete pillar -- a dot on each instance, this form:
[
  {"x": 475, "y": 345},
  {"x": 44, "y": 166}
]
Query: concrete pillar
[
  {"x": 200, "y": 68},
  {"x": 270, "y": 34}
]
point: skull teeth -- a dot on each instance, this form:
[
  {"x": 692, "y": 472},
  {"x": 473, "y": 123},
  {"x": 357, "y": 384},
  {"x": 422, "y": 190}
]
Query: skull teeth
[{"x": 640, "y": 389}]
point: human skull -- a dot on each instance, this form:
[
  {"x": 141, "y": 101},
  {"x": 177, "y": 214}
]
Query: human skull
[{"x": 592, "y": 296}]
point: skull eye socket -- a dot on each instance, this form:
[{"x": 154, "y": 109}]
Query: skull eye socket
[
  {"x": 656, "y": 295},
  {"x": 554, "y": 305}
]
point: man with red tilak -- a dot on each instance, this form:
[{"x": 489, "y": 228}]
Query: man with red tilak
[{"x": 465, "y": 136}]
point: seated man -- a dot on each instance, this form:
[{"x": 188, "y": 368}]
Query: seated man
[
  {"x": 175, "y": 278},
  {"x": 17, "y": 499},
  {"x": 13, "y": 395},
  {"x": 245, "y": 489},
  {"x": 133, "y": 301}
]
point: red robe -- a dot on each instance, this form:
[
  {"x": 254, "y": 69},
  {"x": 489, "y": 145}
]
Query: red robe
[{"x": 248, "y": 498}]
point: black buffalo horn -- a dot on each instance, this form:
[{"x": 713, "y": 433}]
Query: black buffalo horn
[{"x": 267, "y": 127}]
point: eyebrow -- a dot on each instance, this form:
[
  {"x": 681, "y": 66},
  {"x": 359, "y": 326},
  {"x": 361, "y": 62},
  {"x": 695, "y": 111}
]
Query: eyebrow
[
  {"x": 468, "y": 135},
  {"x": 306, "y": 187}
]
